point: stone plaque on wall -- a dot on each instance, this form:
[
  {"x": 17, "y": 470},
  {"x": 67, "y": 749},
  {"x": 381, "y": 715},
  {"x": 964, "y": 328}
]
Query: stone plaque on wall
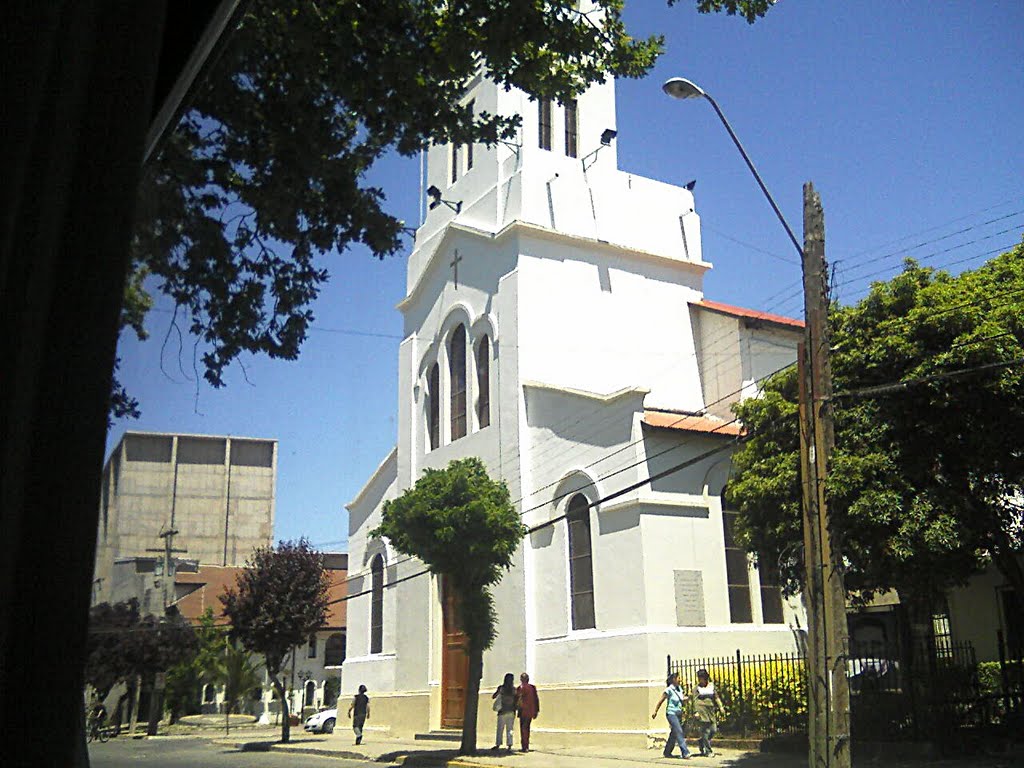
[{"x": 689, "y": 587}]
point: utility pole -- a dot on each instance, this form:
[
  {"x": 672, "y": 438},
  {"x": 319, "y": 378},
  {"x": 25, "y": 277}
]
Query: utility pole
[
  {"x": 156, "y": 702},
  {"x": 167, "y": 549},
  {"x": 828, "y": 642}
]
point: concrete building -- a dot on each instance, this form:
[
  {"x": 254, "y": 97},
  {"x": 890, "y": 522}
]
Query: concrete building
[
  {"x": 556, "y": 327},
  {"x": 216, "y": 492}
]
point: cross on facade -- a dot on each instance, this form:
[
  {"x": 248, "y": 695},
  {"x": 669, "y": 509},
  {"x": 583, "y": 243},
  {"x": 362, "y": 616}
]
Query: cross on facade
[{"x": 454, "y": 264}]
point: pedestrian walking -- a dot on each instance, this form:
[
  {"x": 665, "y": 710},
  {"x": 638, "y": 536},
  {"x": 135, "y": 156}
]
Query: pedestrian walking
[
  {"x": 504, "y": 698},
  {"x": 707, "y": 706},
  {"x": 528, "y": 706},
  {"x": 673, "y": 698},
  {"x": 359, "y": 711}
]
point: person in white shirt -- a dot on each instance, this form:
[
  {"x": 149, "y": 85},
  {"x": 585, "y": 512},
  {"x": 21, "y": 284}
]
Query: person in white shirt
[{"x": 706, "y": 705}]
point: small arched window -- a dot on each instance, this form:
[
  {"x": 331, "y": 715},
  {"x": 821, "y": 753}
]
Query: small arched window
[
  {"x": 581, "y": 563},
  {"x": 483, "y": 382},
  {"x": 377, "y": 604},
  {"x": 209, "y": 694},
  {"x": 457, "y": 380},
  {"x": 434, "y": 406},
  {"x": 334, "y": 650}
]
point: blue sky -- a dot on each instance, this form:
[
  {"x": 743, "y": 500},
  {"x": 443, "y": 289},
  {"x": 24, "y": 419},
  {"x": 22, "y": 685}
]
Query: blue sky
[{"x": 906, "y": 116}]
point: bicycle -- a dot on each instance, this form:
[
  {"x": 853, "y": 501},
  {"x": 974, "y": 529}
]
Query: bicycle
[{"x": 96, "y": 729}]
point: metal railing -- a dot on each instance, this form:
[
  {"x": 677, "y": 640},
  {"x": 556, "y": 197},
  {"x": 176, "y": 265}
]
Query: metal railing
[{"x": 897, "y": 691}]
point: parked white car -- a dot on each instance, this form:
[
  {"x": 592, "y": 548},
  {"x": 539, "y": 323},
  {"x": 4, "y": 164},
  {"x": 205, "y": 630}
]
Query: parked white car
[{"x": 322, "y": 722}]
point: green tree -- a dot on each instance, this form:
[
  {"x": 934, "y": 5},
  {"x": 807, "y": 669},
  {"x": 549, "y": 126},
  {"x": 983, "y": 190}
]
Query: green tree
[
  {"x": 266, "y": 173},
  {"x": 462, "y": 524},
  {"x": 124, "y": 646},
  {"x": 926, "y": 479},
  {"x": 279, "y": 600},
  {"x": 239, "y": 675},
  {"x": 185, "y": 680}
]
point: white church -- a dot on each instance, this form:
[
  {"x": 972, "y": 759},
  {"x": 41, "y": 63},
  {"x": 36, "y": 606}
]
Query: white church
[{"x": 556, "y": 327}]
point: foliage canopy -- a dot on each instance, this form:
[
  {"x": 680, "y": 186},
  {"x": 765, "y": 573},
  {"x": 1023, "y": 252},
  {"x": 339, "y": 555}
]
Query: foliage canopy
[
  {"x": 124, "y": 644},
  {"x": 927, "y": 477},
  {"x": 279, "y": 600},
  {"x": 462, "y": 524},
  {"x": 266, "y": 172}
]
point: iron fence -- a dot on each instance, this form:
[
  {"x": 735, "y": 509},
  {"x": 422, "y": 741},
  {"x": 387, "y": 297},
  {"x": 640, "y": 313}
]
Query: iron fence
[{"x": 897, "y": 691}]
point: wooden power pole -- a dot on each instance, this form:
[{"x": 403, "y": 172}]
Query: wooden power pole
[{"x": 828, "y": 726}]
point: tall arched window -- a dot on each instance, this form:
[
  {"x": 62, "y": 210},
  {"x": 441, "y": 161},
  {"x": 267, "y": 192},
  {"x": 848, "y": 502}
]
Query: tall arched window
[
  {"x": 483, "y": 382},
  {"x": 434, "y": 406},
  {"x": 310, "y": 694},
  {"x": 377, "y": 604},
  {"x": 581, "y": 563},
  {"x": 457, "y": 380}
]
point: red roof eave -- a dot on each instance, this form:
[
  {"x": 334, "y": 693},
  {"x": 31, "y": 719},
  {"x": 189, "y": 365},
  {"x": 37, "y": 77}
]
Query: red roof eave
[
  {"x": 749, "y": 314},
  {"x": 686, "y": 423}
]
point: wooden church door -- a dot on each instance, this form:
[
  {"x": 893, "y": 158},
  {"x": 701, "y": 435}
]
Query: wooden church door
[{"x": 454, "y": 661}]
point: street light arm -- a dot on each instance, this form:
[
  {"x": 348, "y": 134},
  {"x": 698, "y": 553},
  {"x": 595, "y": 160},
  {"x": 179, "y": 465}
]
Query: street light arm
[{"x": 753, "y": 170}]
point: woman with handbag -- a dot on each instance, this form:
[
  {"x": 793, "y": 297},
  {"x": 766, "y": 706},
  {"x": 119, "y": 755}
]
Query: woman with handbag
[
  {"x": 706, "y": 706},
  {"x": 505, "y": 705}
]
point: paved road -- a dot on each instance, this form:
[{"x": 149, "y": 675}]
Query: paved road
[{"x": 198, "y": 753}]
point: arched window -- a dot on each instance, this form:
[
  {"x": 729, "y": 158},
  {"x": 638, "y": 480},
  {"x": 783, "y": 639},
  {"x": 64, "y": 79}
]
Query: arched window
[
  {"x": 483, "y": 382},
  {"x": 581, "y": 563},
  {"x": 334, "y": 650},
  {"x": 310, "y": 694},
  {"x": 457, "y": 380},
  {"x": 377, "y": 604},
  {"x": 209, "y": 694},
  {"x": 737, "y": 575},
  {"x": 434, "y": 406}
]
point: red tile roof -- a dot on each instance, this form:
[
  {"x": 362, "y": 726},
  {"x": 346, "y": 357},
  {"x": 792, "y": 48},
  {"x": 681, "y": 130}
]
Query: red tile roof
[
  {"x": 211, "y": 581},
  {"x": 749, "y": 314},
  {"x": 687, "y": 423},
  {"x": 208, "y": 583}
]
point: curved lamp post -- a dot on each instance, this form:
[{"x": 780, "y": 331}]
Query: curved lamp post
[
  {"x": 681, "y": 88},
  {"x": 829, "y": 706}
]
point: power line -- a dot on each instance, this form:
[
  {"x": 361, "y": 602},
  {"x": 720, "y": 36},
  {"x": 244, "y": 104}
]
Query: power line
[{"x": 899, "y": 386}]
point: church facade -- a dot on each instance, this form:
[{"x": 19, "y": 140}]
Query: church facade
[{"x": 556, "y": 327}]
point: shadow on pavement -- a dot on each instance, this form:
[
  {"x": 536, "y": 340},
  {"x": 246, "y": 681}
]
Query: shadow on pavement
[{"x": 420, "y": 757}]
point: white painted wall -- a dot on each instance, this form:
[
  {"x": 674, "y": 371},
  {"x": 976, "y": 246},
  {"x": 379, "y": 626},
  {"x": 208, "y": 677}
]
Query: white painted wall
[{"x": 582, "y": 276}]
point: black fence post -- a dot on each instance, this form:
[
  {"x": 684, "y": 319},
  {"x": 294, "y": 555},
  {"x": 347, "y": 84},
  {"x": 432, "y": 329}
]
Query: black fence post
[{"x": 743, "y": 698}]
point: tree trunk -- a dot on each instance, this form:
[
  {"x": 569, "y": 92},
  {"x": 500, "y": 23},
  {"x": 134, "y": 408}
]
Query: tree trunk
[
  {"x": 286, "y": 726},
  {"x": 136, "y": 693},
  {"x": 469, "y": 717},
  {"x": 78, "y": 81}
]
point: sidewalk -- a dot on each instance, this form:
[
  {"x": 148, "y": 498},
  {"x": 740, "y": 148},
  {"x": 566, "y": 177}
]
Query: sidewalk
[{"x": 409, "y": 752}]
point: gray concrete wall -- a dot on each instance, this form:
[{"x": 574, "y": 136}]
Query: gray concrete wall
[{"x": 217, "y": 492}]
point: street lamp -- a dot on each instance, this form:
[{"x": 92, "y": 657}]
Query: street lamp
[
  {"x": 829, "y": 700},
  {"x": 681, "y": 88}
]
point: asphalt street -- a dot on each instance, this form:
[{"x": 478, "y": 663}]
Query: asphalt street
[{"x": 173, "y": 752}]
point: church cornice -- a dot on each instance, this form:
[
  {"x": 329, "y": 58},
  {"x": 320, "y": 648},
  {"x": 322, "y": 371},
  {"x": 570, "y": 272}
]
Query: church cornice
[
  {"x": 604, "y": 398},
  {"x": 390, "y": 462},
  {"x": 522, "y": 227}
]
